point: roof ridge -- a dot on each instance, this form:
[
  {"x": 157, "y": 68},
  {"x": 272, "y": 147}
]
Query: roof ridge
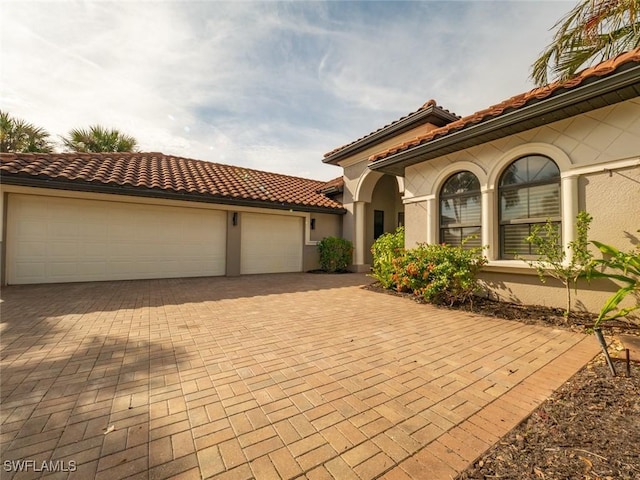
[
  {"x": 160, "y": 154},
  {"x": 431, "y": 103}
]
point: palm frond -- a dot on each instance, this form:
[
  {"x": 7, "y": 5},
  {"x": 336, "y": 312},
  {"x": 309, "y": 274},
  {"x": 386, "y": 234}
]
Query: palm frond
[{"x": 592, "y": 31}]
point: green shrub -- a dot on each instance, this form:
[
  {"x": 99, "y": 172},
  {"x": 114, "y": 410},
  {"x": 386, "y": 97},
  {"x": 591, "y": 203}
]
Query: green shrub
[
  {"x": 335, "y": 254},
  {"x": 441, "y": 274},
  {"x": 385, "y": 249}
]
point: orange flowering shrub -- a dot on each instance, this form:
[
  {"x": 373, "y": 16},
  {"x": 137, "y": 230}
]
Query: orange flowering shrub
[{"x": 441, "y": 274}]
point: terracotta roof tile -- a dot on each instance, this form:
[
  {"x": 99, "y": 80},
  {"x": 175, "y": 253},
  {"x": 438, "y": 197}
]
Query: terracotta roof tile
[
  {"x": 335, "y": 185},
  {"x": 428, "y": 104},
  {"x": 516, "y": 102},
  {"x": 166, "y": 173}
]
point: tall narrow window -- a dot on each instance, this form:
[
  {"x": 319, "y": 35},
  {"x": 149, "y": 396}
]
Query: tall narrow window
[
  {"x": 460, "y": 210},
  {"x": 529, "y": 192}
]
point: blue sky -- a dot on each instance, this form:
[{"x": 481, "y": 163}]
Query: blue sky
[{"x": 266, "y": 85}]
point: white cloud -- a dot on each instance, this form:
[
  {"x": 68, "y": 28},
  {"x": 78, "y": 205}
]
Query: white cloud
[{"x": 264, "y": 85}]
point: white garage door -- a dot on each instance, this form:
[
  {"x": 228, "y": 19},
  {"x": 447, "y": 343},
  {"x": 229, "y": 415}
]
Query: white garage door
[
  {"x": 67, "y": 240},
  {"x": 270, "y": 244}
]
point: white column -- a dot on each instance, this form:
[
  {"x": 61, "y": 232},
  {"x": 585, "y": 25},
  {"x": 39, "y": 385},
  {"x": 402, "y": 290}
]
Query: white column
[
  {"x": 359, "y": 233},
  {"x": 432, "y": 220},
  {"x": 569, "y": 188},
  {"x": 488, "y": 220}
]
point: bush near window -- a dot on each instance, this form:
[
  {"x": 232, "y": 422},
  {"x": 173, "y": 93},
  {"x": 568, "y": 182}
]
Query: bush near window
[
  {"x": 441, "y": 274},
  {"x": 385, "y": 249},
  {"x": 335, "y": 254}
]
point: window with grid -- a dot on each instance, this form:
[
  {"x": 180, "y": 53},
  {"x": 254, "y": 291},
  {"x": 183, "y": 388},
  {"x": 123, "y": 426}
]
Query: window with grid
[
  {"x": 529, "y": 195},
  {"x": 460, "y": 210}
]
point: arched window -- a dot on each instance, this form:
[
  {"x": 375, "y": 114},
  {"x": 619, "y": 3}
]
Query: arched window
[
  {"x": 529, "y": 193},
  {"x": 460, "y": 210}
]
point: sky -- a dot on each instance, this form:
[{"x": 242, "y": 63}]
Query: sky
[{"x": 265, "y": 85}]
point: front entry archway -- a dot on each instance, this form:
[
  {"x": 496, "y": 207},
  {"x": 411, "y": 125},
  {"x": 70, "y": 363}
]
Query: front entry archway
[{"x": 378, "y": 209}]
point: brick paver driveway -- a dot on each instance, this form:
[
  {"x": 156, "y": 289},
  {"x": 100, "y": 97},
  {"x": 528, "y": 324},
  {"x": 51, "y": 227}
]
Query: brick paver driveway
[{"x": 273, "y": 376}]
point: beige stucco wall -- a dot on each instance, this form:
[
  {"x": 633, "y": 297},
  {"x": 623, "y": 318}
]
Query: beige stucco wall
[
  {"x": 585, "y": 148},
  {"x": 613, "y": 199},
  {"x": 327, "y": 225}
]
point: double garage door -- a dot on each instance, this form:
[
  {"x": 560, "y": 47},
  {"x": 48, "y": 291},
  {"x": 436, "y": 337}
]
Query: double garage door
[{"x": 51, "y": 239}]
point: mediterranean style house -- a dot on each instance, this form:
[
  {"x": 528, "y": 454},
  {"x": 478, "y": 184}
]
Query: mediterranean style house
[{"x": 545, "y": 154}]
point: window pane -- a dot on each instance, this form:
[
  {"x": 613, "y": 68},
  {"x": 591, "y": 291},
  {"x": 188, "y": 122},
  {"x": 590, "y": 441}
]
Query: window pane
[
  {"x": 450, "y": 236},
  {"x": 513, "y": 204},
  {"x": 472, "y": 242},
  {"x": 541, "y": 169},
  {"x": 462, "y": 209},
  {"x": 455, "y": 236},
  {"x": 513, "y": 240},
  {"x": 462, "y": 182},
  {"x": 544, "y": 201},
  {"x": 531, "y": 169}
]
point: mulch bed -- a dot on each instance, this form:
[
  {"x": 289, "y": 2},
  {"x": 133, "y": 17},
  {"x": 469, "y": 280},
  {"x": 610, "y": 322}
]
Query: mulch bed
[{"x": 588, "y": 429}]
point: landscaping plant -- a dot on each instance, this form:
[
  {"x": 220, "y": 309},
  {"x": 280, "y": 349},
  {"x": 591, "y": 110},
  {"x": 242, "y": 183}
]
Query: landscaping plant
[
  {"x": 552, "y": 257},
  {"x": 385, "y": 249},
  {"x": 623, "y": 267},
  {"x": 439, "y": 273},
  {"x": 335, "y": 254}
]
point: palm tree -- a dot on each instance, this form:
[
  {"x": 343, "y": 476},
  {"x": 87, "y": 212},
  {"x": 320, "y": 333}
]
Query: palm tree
[
  {"x": 16, "y": 135},
  {"x": 99, "y": 139},
  {"x": 593, "y": 31}
]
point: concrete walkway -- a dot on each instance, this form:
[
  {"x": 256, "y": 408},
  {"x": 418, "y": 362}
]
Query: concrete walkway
[{"x": 271, "y": 376}]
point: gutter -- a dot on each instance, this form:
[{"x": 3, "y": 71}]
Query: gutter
[
  {"x": 164, "y": 194},
  {"x": 464, "y": 138}
]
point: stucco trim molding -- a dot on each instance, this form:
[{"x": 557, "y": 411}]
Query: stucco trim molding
[
  {"x": 368, "y": 181},
  {"x": 602, "y": 167},
  {"x": 556, "y": 154},
  {"x": 421, "y": 198}
]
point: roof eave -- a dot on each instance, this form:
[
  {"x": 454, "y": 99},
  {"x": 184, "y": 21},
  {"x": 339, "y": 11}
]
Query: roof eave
[
  {"x": 9, "y": 179},
  {"x": 625, "y": 82},
  {"x": 392, "y": 130}
]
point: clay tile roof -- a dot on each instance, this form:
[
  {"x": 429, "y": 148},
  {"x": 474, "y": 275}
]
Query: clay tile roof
[
  {"x": 332, "y": 186},
  {"x": 164, "y": 174},
  {"x": 540, "y": 93},
  {"x": 429, "y": 104}
]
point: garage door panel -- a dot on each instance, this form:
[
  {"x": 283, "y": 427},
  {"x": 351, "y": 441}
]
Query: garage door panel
[
  {"x": 271, "y": 244},
  {"x": 62, "y": 240},
  {"x": 32, "y": 250},
  {"x": 31, "y": 270}
]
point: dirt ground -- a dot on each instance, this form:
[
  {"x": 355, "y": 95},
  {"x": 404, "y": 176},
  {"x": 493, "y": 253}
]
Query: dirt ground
[{"x": 588, "y": 429}]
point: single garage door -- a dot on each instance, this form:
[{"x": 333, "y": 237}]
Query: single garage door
[
  {"x": 270, "y": 244},
  {"x": 52, "y": 239}
]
